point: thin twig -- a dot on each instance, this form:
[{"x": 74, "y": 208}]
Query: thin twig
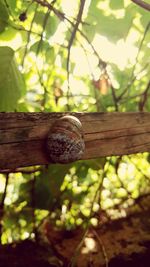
[
  {"x": 73, "y": 35},
  {"x": 144, "y": 97},
  {"x": 102, "y": 64},
  {"x": 44, "y": 26},
  {"x": 114, "y": 98},
  {"x": 101, "y": 244},
  {"x": 43, "y": 29},
  {"x": 29, "y": 35},
  {"x": 62, "y": 17},
  {"x": 58, "y": 13},
  {"x": 139, "y": 49},
  {"x": 32, "y": 192},
  {"x": 132, "y": 76},
  {"x": 73, "y": 259},
  {"x": 98, "y": 191},
  {"x": 97, "y": 97},
  {"x": 142, "y": 4}
]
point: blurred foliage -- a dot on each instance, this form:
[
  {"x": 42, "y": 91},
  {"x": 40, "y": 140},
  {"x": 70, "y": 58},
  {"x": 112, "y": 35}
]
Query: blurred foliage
[{"x": 105, "y": 68}]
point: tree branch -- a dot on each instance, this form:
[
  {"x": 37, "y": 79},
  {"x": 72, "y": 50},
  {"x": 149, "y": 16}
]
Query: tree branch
[
  {"x": 142, "y": 4},
  {"x": 58, "y": 13},
  {"x": 75, "y": 29}
]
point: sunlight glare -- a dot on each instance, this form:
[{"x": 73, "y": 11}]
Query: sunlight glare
[
  {"x": 77, "y": 86},
  {"x": 90, "y": 245},
  {"x": 84, "y": 65},
  {"x": 59, "y": 35},
  {"x": 120, "y": 53},
  {"x": 64, "y": 209},
  {"x": 81, "y": 64},
  {"x": 25, "y": 235},
  {"x": 15, "y": 43},
  {"x": 2, "y": 183},
  {"x": 70, "y": 8}
]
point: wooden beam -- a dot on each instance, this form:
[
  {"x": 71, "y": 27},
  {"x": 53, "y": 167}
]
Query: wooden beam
[{"x": 23, "y": 136}]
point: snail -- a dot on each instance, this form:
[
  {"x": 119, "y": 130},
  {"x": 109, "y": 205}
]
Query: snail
[{"x": 65, "y": 142}]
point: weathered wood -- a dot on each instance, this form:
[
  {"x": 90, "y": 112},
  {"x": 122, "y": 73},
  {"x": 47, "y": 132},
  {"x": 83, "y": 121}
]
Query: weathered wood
[{"x": 23, "y": 135}]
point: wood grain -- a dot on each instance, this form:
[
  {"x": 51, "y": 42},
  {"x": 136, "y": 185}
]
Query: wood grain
[{"x": 23, "y": 136}]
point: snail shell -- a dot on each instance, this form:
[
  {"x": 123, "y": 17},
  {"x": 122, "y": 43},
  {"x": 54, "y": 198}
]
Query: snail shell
[{"x": 65, "y": 142}]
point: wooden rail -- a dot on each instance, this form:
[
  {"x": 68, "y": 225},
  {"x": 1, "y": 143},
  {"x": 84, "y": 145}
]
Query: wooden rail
[{"x": 23, "y": 135}]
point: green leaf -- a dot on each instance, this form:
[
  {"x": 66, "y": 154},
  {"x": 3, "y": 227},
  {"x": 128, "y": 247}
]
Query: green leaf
[
  {"x": 109, "y": 25},
  {"x": 12, "y": 84},
  {"x": 96, "y": 164},
  {"x": 8, "y": 35},
  {"x": 12, "y": 4},
  {"x": 48, "y": 184},
  {"x": 116, "y": 4},
  {"x": 50, "y": 24},
  {"x": 3, "y": 16},
  {"x": 45, "y": 48},
  {"x": 114, "y": 28}
]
